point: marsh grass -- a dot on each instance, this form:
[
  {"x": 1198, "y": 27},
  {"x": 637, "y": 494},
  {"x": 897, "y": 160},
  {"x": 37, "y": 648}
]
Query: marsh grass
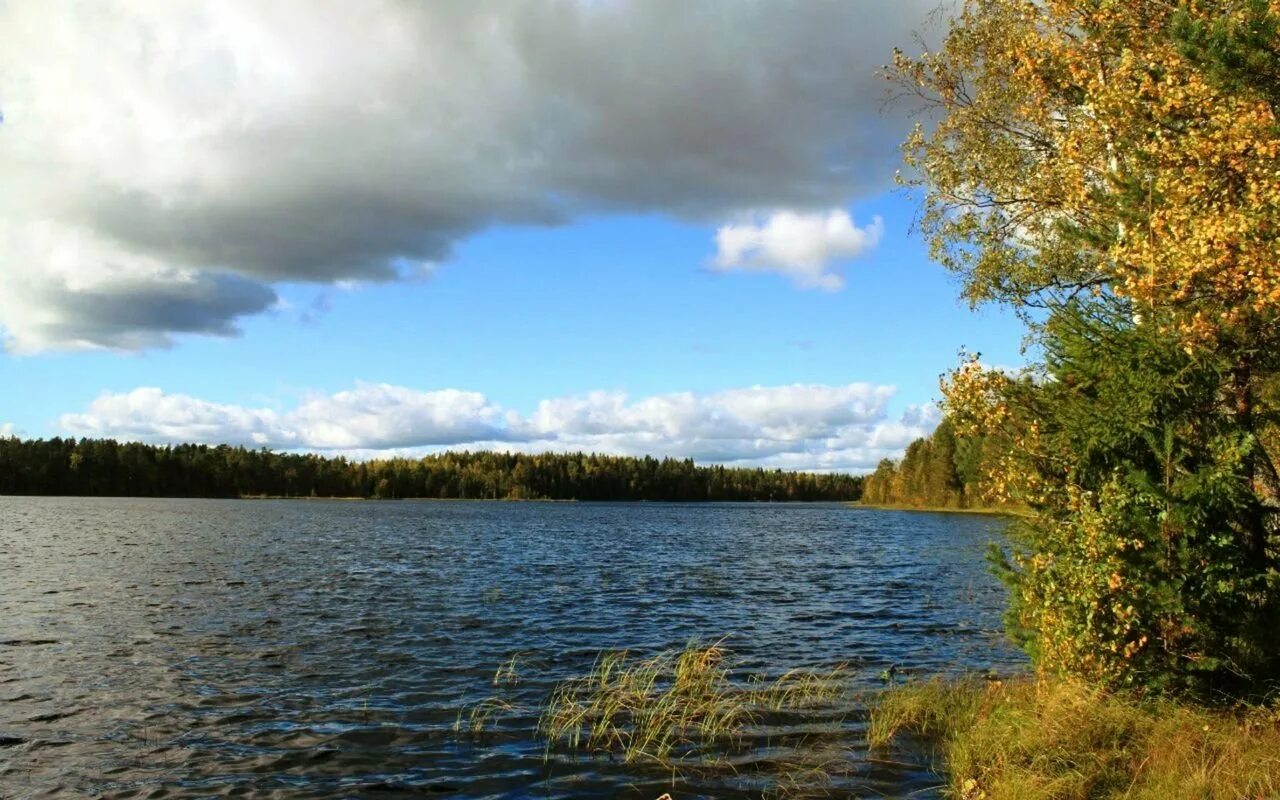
[
  {"x": 508, "y": 674},
  {"x": 1028, "y": 739},
  {"x": 483, "y": 717},
  {"x": 677, "y": 708}
]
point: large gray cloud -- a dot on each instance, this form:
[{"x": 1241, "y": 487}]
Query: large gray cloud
[
  {"x": 148, "y": 144},
  {"x": 801, "y": 426},
  {"x": 134, "y": 312}
]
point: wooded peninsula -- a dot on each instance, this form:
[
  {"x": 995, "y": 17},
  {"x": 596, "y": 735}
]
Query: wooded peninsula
[
  {"x": 941, "y": 471},
  {"x": 105, "y": 467}
]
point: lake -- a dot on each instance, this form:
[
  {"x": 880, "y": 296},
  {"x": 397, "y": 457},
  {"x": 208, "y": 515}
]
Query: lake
[{"x": 208, "y": 648}]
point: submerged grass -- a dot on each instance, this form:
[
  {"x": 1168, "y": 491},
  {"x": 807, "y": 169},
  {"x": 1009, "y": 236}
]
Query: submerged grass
[
  {"x": 675, "y": 707},
  {"x": 483, "y": 716},
  {"x": 509, "y": 672},
  {"x": 1028, "y": 739}
]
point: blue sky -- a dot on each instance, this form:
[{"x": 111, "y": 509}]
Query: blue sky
[{"x": 632, "y": 297}]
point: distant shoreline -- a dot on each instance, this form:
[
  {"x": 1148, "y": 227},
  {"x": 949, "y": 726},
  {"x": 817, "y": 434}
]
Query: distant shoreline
[
  {"x": 986, "y": 511},
  {"x": 358, "y": 499},
  {"x": 107, "y": 468},
  {"x": 496, "y": 500}
]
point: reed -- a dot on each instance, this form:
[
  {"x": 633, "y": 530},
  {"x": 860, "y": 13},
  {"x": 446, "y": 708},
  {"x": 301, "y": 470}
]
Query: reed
[
  {"x": 800, "y": 689},
  {"x": 483, "y": 716},
  {"x": 508, "y": 673},
  {"x": 676, "y": 707}
]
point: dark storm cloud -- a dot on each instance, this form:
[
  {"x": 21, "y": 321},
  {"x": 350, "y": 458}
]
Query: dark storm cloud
[
  {"x": 137, "y": 314},
  {"x": 321, "y": 142}
]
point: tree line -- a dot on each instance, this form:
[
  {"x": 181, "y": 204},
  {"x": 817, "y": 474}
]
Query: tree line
[
  {"x": 942, "y": 470},
  {"x": 104, "y": 467}
]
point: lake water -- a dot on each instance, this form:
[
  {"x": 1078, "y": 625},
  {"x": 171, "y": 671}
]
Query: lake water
[{"x": 208, "y": 648}]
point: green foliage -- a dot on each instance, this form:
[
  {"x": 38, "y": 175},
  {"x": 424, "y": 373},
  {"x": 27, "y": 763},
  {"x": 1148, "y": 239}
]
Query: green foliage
[
  {"x": 1151, "y": 559},
  {"x": 108, "y": 468},
  {"x": 1107, "y": 169},
  {"x": 940, "y": 471},
  {"x": 1238, "y": 48}
]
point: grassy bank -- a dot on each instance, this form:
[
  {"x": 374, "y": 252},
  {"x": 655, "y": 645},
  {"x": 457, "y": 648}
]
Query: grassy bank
[
  {"x": 1055, "y": 740},
  {"x": 694, "y": 713}
]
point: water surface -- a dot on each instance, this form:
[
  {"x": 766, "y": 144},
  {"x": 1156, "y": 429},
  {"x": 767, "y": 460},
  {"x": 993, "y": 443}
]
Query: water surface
[{"x": 207, "y": 648}]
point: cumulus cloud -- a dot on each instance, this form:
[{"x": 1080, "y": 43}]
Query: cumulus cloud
[
  {"x": 369, "y": 416},
  {"x": 801, "y": 426},
  {"x": 805, "y": 247},
  {"x": 167, "y": 163},
  {"x": 148, "y": 414},
  {"x": 380, "y": 416}
]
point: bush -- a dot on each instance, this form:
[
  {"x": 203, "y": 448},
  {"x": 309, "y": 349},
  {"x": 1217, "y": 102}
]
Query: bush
[{"x": 1148, "y": 561}]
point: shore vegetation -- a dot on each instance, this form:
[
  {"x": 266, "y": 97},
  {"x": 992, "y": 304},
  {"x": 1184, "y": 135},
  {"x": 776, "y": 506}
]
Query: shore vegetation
[
  {"x": 1029, "y": 739},
  {"x": 1106, "y": 170},
  {"x": 104, "y": 467}
]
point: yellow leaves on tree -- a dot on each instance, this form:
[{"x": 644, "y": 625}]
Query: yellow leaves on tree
[{"x": 1079, "y": 150}]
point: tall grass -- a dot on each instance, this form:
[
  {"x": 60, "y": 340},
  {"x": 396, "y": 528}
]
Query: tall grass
[
  {"x": 508, "y": 672},
  {"x": 1029, "y": 739},
  {"x": 676, "y": 706},
  {"x": 483, "y": 716}
]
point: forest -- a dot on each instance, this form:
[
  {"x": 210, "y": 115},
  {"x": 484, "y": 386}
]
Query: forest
[
  {"x": 1107, "y": 171},
  {"x": 104, "y": 467},
  {"x": 942, "y": 470}
]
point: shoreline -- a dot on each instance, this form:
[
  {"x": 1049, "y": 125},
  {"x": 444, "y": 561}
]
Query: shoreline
[
  {"x": 985, "y": 511},
  {"x": 357, "y": 498},
  {"x": 488, "y": 500}
]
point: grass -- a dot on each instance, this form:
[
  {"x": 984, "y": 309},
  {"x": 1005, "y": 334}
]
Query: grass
[
  {"x": 677, "y": 707},
  {"x": 693, "y": 712},
  {"x": 1029, "y": 739},
  {"x": 508, "y": 673},
  {"x": 690, "y": 713},
  {"x": 483, "y": 716}
]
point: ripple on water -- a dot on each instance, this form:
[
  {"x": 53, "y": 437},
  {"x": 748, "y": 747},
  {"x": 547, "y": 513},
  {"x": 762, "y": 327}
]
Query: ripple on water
[{"x": 196, "y": 648}]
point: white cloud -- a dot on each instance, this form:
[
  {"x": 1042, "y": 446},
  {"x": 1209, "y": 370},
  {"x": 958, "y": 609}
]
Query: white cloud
[
  {"x": 150, "y": 415},
  {"x": 805, "y": 247},
  {"x": 380, "y": 415},
  {"x": 8, "y": 429},
  {"x": 166, "y": 164},
  {"x": 800, "y": 426},
  {"x": 369, "y": 416}
]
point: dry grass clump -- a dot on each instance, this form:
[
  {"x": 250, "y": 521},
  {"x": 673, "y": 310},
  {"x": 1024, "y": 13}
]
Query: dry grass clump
[
  {"x": 1031, "y": 739},
  {"x": 675, "y": 706}
]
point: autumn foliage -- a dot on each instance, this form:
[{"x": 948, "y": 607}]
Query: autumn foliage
[{"x": 1112, "y": 171}]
